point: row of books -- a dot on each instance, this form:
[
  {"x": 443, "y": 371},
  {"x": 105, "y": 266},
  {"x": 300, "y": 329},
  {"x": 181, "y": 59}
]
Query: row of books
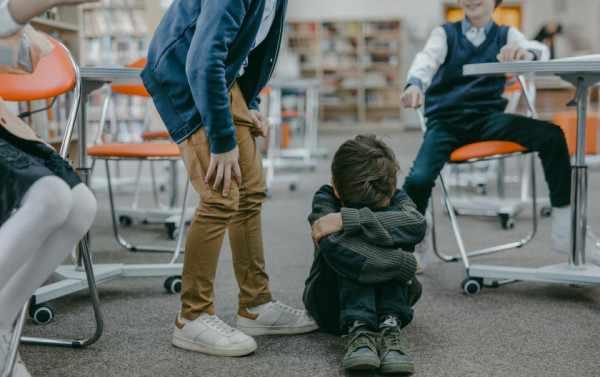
[
  {"x": 111, "y": 22},
  {"x": 114, "y": 51}
]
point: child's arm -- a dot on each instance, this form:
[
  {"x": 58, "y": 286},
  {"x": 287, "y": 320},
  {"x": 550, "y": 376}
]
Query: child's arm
[
  {"x": 424, "y": 67},
  {"x": 350, "y": 254},
  {"x": 518, "y": 47}
]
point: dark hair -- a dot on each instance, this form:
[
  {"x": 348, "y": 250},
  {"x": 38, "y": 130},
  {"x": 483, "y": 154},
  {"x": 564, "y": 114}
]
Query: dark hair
[
  {"x": 364, "y": 172},
  {"x": 498, "y": 3}
]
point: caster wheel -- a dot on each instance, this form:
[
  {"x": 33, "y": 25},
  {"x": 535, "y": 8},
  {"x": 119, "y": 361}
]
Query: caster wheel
[
  {"x": 471, "y": 286},
  {"x": 173, "y": 284},
  {"x": 507, "y": 222},
  {"x": 41, "y": 314},
  {"x": 162, "y": 188},
  {"x": 125, "y": 220},
  {"x": 171, "y": 230},
  {"x": 481, "y": 190},
  {"x": 546, "y": 211},
  {"x": 293, "y": 187}
]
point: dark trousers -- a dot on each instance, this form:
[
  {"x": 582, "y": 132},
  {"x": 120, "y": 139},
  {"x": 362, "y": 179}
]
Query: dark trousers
[
  {"x": 368, "y": 303},
  {"x": 445, "y": 133}
]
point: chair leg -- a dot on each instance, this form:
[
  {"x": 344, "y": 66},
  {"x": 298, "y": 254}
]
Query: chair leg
[
  {"x": 78, "y": 343},
  {"x": 14, "y": 343},
  {"x": 116, "y": 232},
  {"x": 463, "y": 253}
]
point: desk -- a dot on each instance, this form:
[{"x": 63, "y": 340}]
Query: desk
[
  {"x": 582, "y": 74},
  {"x": 72, "y": 277}
]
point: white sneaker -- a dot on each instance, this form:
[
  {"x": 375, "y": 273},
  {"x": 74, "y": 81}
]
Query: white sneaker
[
  {"x": 422, "y": 247},
  {"x": 208, "y": 334},
  {"x": 560, "y": 240},
  {"x": 276, "y": 319}
]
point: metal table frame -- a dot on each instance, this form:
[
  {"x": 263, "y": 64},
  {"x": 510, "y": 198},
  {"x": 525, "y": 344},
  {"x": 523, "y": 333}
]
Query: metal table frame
[
  {"x": 73, "y": 278},
  {"x": 582, "y": 74}
]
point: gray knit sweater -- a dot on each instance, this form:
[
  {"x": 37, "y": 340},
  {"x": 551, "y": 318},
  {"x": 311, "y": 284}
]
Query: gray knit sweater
[{"x": 373, "y": 247}]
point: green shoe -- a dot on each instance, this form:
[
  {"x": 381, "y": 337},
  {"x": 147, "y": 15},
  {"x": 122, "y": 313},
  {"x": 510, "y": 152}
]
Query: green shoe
[
  {"x": 361, "y": 351},
  {"x": 394, "y": 358}
]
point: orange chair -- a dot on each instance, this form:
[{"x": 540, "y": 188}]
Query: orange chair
[
  {"x": 475, "y": 152},
  {"x": 170, "y": 215},
  {"x": 56, "y": 74},
  {"x": 567, "y": 120}
]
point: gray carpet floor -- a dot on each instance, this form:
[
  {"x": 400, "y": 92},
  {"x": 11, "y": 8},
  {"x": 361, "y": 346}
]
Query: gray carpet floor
[{"x": 520, "y": 329}]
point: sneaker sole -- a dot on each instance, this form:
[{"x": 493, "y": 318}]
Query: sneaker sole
[
  {"x": 269, "y": 330},
  {"x": 190, "y": 345},
  {"x": 361, "y": 363},
  {"x": 397, "y": 368}
]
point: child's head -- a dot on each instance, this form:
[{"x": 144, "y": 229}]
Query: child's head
[
  {"x": 479, "y": 10},
  {"x": 364, "y": 172}
]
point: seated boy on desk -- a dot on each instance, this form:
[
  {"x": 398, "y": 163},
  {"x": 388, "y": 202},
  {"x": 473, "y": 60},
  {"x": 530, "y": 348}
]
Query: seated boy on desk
[
  {"x": 465, "y": 109},
  {"x": 362, "y": 282}
]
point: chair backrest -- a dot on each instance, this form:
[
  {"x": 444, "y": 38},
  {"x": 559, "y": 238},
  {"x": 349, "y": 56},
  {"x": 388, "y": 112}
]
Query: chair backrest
[
  {"x": 133, "y": 90},
  {"x": 56, "y": 74}
]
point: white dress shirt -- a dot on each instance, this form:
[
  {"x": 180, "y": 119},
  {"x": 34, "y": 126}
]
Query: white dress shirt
[
  {"x": 263, "y": 29},
  {"x": 428, "y": 60}
]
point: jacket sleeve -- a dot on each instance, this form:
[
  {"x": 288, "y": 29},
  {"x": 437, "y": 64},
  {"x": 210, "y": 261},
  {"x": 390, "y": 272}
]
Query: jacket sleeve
[
  {"x": 205, "y": 68},
  {"x": 350, "y": 256},
  {"x": 401, "y": 225}
]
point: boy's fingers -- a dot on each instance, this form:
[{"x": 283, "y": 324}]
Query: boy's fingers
[{"x": 226, "y": 181}]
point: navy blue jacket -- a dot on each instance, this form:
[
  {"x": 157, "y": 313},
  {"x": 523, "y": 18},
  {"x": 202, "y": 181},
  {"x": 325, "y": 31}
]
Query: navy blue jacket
[
  {"x": 194, "y": 59},
  {"x": 452, "y": 91}
]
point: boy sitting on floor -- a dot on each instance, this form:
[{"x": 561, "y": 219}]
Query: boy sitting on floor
[{"x": 362, "y": 282}]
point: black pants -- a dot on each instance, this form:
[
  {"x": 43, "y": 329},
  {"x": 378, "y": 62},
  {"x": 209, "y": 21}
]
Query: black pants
[
  {"x": 368, "y": 303},
  {"x": 445, "y": 133}
]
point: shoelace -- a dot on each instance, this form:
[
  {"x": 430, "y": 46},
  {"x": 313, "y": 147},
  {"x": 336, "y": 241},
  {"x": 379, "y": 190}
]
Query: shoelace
[
  {"x": 392, "y": 341},
  {"x": 288, "y": 309},
  {"x": 360, "y": 339},
  {"x": 220, "y": 325}
]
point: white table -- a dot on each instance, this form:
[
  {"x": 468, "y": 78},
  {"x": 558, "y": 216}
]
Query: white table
[{"x": 582, "y": 74}]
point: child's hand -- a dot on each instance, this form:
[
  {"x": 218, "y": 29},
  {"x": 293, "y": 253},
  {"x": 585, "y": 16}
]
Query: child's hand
[
  {"x": 327, "y": 225},
  {"x": 412, "y": 97},
  {"x": 509, "y": 53},
  {"x": 418, "y": 268},
  {"x": 261, "y": 123}
]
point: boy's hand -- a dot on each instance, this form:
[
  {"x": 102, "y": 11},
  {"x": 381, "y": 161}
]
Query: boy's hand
[
  {"x": 261, "y": 123},
  {"x": 412, "y": 97},
  {"x": 509, "y": 53},
  {"x": 327, "y": 225},
  {"x": 223, "y": 164},
  {"x": 418, "y": 268}
]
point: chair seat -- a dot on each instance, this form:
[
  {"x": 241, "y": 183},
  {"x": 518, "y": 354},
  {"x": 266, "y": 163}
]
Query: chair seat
[
  {"x": 484, "y": 149},
  {"x": 134, "y": 150},
  {"x": 153, "y": 135}
]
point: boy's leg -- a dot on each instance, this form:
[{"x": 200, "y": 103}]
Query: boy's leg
[
  {"x": 393, "y": 305},
  {"x": 545, "y": 138},
  {"x": 245, "y": 228},
  {"x": 257, "y": 313},
  {"x": 358, "y": 319},
  {"x": 440, "y": 140}
]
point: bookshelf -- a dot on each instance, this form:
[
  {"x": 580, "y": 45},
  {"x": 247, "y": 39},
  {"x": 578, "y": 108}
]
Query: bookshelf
[
  {"x": 108, "y": 33},
  {"x": 358, "y": 64}
]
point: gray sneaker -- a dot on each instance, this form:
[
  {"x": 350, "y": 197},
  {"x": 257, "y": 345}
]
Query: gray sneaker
[
  {"x": 394, "y": 358},
  {"x": 361, "y": 351}
]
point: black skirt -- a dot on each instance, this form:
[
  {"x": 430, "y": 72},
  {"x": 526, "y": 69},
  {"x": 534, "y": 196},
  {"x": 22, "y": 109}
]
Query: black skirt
[{"x": 22, "y": 163}]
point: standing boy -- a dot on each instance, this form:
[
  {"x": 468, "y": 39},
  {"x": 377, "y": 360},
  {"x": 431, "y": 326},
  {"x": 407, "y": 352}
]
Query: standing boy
[
  {"x": 466, "y": 109},
  {"x": 362, "y": 282},
  {"x": 207, "y": 63}
]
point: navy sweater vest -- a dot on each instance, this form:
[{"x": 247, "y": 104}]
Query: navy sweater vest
[{"x": 451, "y": 91}]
